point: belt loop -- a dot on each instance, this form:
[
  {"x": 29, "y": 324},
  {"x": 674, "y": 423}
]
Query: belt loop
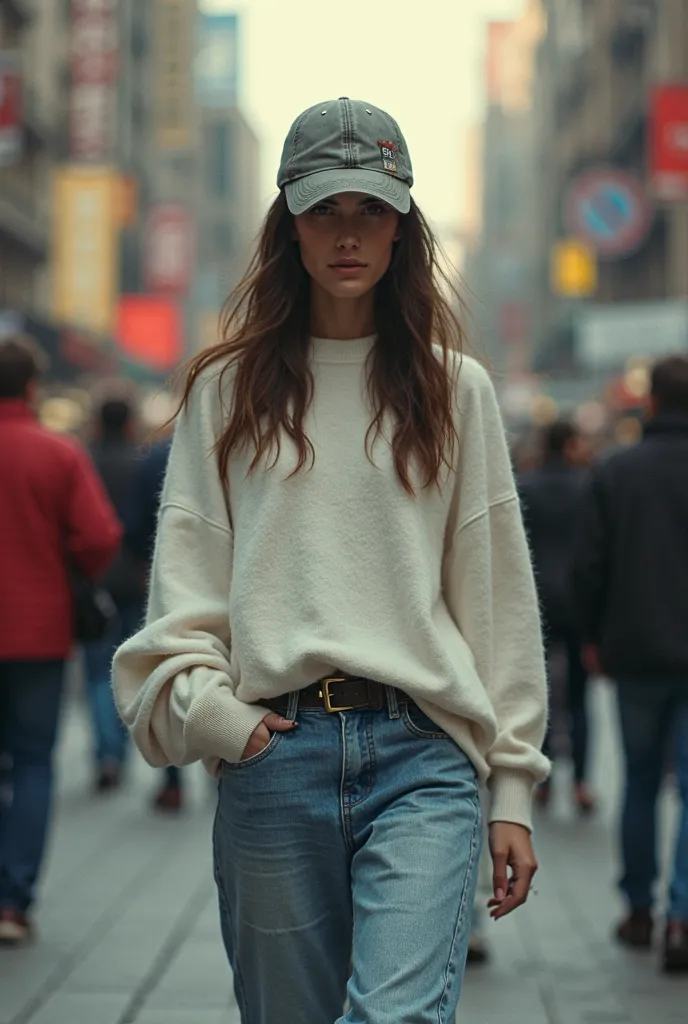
[
  {"x": 292, "y": 705},
  {"x": 392, "y": 702}
]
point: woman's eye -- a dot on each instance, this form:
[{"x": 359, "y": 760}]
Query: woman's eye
[
  {"x": 320, "y": 210},
  {"x": 375, "y": 209}
]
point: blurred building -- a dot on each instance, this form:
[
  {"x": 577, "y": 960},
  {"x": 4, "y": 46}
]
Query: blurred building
[
  {"x": 500, "y": 258},
  {"x": 32, "y": 41},
  {"x": 603, "y": 70},
  {"x": 229, "y": 206}
]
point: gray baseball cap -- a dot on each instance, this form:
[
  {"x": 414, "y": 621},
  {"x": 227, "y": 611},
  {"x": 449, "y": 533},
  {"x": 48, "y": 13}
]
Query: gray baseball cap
[{"x": 345, "y": 146}]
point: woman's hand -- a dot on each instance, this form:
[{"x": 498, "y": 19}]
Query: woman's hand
[
  {"x": 510, "y": 847},
  {"x": 260, "y": 737}
]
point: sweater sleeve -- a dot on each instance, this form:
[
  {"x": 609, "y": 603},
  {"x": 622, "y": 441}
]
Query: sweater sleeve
[
  {"x": 172, "y": 680},
  {"x": 490, "y": 591}
]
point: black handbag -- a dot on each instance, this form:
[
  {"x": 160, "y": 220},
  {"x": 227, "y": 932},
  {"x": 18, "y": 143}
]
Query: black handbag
[{"x": 94, "y": 610}]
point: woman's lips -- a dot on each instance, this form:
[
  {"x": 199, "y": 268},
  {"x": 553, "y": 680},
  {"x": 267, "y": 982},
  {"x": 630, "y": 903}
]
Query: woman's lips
[{"x": 347, "y": 269}]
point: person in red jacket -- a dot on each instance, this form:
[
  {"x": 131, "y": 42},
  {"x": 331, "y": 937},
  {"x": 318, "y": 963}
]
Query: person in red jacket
[{"x": 53, "y": 512}]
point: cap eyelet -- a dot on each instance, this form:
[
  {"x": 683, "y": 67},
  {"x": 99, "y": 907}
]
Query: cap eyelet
[
  {"x": 322, "y": 112},
  {"x": 369, "y": 111}
]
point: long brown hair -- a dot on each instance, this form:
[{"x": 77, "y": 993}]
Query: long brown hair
[{"x": 266, "y": 339}]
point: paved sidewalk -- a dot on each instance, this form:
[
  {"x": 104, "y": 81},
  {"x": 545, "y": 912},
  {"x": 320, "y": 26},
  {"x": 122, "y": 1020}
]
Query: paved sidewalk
[{"x": 129, "y": 927}]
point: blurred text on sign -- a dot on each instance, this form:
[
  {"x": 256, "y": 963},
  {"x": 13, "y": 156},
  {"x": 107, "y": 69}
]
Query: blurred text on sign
[
  {"x": 85, "y": 236},
  {"x": 10, "y": 107},
  {"x": 168, "y": 249},
  {"x": 669, "y": 145}
]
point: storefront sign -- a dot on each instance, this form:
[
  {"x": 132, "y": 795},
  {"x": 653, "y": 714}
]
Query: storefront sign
[
  {"x": 94, "y": 60},
  {"x": 10, "y": 107},
  {"x": 669, "y": 143},
  {"x": 168, "y": 249},
  {"x": 85, "y": 232}
]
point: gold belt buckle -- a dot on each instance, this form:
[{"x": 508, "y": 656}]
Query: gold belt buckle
[{"x": 325, "y": 694}]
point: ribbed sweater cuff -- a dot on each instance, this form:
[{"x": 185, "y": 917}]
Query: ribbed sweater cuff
[
  {"x": 512, "y": 797},
  {"x": 219, "y": 725}
]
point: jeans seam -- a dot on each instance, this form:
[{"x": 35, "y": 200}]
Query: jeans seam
[
  {"x": 448, "y": 972},
  {"x": 420, "y": 733},
  {"x": 225, "y": 907}
]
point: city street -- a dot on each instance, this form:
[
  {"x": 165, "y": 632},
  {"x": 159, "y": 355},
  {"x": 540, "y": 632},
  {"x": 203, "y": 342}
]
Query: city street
[{"x": 129, "y": 933}]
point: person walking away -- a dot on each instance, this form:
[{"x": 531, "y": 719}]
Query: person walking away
[
  {"x": 115, "y": 455},
  {"x": 631, "y": 587},
  {"x": 551, "y": 498},
  {"x": 141, "y": 526},
  {"x": 53, "y": 512},
  {"x": 342, "y": 615}
]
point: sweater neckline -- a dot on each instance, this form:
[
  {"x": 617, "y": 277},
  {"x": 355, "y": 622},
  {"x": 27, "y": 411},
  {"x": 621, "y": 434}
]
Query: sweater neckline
[{"x": 331, "y": 350}]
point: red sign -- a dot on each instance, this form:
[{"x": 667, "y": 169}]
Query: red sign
[
  {"x": 94, "y": 53},
  {"x": 608, "y": 209},
  {"x": 669, "y": 142},
  {"x": 10, "y": 108},
  {"x": 149, "y": 329},
  {"x": 168, "y": 249}
]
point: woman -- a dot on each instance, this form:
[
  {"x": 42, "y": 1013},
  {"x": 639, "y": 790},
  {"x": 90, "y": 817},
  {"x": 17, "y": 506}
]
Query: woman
[{"x": 342, "y": 619}]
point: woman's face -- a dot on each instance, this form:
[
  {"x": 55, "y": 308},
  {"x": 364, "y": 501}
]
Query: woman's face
[{"x": 346, "y": 242}]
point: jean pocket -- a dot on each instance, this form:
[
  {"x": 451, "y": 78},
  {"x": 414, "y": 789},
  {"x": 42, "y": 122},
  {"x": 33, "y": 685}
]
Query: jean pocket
[
  {"x": 420, "y": 724},
  {"x": 249, "y": 762}
]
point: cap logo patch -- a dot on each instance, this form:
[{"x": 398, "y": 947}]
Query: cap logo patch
[{"x": 388, "y": 151}]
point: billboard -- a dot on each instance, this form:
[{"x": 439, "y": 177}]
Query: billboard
[
  {"x": 173, "y": 55},
  {"x": 85, "y": 253},
  {"x": 150, "y": 329},
  {"x": 168, "y": 254},
  {"x": 608, "y": 334},
  {"x": 217, "y": 60},
  {"x": 669, "y": 142},
  {"x": 10, "y": 107},
  {"x": 94, "y": 46}
]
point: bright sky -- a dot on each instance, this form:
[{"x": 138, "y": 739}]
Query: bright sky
[{"x": 420, "y": 61}]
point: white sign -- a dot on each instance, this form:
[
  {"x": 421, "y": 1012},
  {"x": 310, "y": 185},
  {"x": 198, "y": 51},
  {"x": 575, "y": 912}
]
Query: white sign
[{"x": 608, "y": 335}]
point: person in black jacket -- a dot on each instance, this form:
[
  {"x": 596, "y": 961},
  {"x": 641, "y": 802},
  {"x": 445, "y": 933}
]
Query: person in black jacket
[
  {"x": 551, "y": 500},
  {"x": 141, "y": 526},
  {"x": 631, "y": 590},
  {"x": 115, "y": 456}
]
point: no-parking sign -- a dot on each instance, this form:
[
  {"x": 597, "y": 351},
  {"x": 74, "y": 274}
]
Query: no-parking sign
[{"x": 610, "y": 210}]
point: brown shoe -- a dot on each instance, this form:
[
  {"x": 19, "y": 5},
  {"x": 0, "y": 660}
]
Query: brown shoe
[
  {"x": 675, "y": 955},
  {"x": 169, "y": 799},
  {"x": 15, "y": 928},
  {"x": 636, "y": 930},
  {"x": 585, "y": 801}
]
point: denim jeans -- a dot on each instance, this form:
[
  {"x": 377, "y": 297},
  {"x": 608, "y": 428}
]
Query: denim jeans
[
  {"x": 111, "y": 737},
  {"x": 653, "y": 716},
  {"x": 346, "y": 859},
  {"x": 30, "y": 697}
]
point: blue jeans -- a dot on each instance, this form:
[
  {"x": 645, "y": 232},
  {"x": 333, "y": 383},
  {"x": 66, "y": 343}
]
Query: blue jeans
[
  {"x": 111, "y": 737},
  {"x": 653, "y": 715},
  {"x": 30, "y": 697},
  {"x": 346, "y": 860}
]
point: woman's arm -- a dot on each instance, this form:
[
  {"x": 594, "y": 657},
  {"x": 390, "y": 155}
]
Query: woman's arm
[
  {"x": 490, "y": 591},
  {"x": 172, "y": 680}
]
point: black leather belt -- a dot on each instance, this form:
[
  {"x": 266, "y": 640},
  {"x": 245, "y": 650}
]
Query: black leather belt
[{"x": 337, "y": 693}]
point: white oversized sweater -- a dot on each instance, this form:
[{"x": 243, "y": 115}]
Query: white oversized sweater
[{"x": 279, "y": 582}]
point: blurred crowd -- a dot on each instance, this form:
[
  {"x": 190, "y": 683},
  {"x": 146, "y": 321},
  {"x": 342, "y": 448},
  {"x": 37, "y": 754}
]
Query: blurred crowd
[{"x": 608, "y": 531}]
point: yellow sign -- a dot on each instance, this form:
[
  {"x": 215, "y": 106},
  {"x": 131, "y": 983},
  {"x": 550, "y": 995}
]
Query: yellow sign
[
  {"x": 173, "y": 64},
  {"x": 573, "y": 270},
  {"x": 85, "y": 246}
]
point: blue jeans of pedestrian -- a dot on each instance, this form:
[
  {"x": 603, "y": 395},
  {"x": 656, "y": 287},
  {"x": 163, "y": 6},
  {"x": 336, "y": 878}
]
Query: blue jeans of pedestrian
[
  {"x": 654, "y": 726},
  {"x": 346, "y": 860},
  {"x": 111, "y": 737},
  {"x": 30, "y": 698}
]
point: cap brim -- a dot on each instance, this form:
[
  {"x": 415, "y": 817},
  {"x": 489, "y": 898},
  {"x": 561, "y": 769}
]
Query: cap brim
[{"x": 305, "y": 192}]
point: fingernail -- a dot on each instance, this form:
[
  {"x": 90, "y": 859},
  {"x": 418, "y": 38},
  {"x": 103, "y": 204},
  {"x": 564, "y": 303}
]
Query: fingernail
[{"x": 500, "y": 894}]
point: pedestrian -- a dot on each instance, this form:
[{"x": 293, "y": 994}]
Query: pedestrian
[
  {"x": 53, "y": 512},
  {"x": 141, "y": 526},
  {"x": 631, "y": 587},
  {"x": 551, "y": 496},
  {"x": 342, "y": 617},
  {"x": 115, "y": 453}
]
